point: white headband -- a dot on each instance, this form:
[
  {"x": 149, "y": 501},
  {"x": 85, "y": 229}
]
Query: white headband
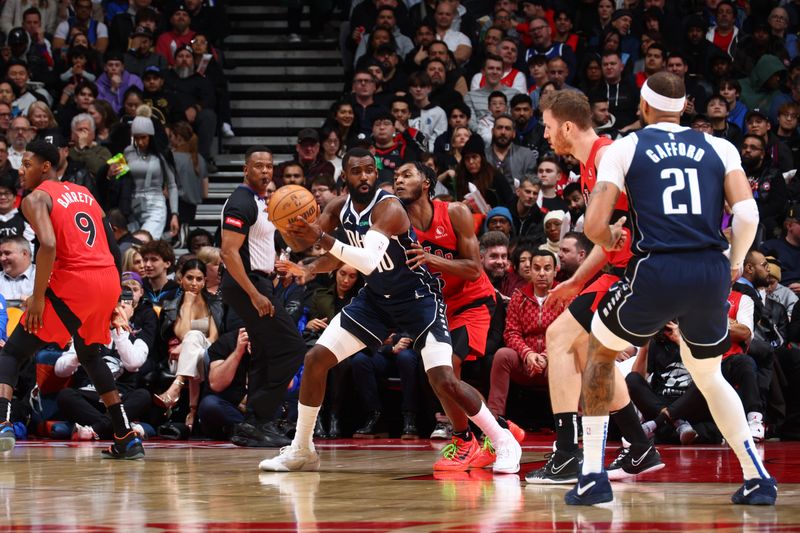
[{"x": 662, "y": 103}]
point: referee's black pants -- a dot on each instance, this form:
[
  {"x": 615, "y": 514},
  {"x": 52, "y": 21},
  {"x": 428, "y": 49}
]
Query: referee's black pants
[{"x": 277, "y": 350}]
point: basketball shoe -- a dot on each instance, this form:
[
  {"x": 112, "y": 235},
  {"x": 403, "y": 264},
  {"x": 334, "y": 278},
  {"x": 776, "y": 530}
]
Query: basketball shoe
[
  {"x": 458, "y": 455},
  {"x": 591, "y": 489},
  {"x": 628, "y": 464},
  {"x": 485, "y": 456},
  {"x": 127, "y": 447},
  {"x": 561, "y": 467},
  {"x": 7, "y": 437},
  {"x": 757, "y": 491},
  {"x": 292, "y": 459},
  {"x": 508, "y": 452}
]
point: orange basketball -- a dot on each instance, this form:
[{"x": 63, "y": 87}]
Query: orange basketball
[{"x": 290, "y": 202}]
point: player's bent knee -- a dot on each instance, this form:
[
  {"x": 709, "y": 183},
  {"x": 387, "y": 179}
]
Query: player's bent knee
[
  {"x": 338, "y": 341},
  {"x": 319, "y": 359},
  {"x": 436, "y": 353},
  {"x": 606, "y": 337},
  {"x": 443, "y": 381}
]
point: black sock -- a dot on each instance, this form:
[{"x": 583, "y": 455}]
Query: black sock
[
  {"x": 463, "y": 435},
  {"x": 566, "y": 431},
  {"x": 119, "y": 420},
  {"x": 627, "y": 421},
  {"x": 5, "y": 410}
]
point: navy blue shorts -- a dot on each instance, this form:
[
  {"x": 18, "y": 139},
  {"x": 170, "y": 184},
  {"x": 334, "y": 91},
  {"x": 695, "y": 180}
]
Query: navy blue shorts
[
  {"x": 371, "y": 318},
  {"x": 690, "y": 288}
]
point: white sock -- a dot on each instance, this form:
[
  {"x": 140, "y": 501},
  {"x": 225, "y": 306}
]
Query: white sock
[
  {"x": 595, "y": 429},
  {"x": 726, "y": 409},
  {"x": 304, "y": 433},
  {"x": 485, "y": 420}
]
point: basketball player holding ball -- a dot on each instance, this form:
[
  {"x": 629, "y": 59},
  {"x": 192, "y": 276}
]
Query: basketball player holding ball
[
  {"x": 248, "y": 252},
  {"x": 396, "y": 296}
]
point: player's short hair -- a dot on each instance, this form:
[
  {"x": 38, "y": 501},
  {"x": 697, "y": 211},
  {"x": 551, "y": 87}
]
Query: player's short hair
[
  {"x": 581, "y": 240},
  {"x": 490, "y": 239},
  {"x": 354, "y": 152},
  {"x": 160, "y": 248},
  {"x": 44, "y": 151},
  {"x": 254, "y": 150},
  {"x": 427, "y": 173},
  {"x": 572, "y": 106},
  {"x": 667, "y": 84}
]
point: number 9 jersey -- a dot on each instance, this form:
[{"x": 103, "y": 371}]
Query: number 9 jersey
[
  {"x": 78, "y": 227},
  {"x": 673, "y": 177},
  {"x": 84, "y": 286}
]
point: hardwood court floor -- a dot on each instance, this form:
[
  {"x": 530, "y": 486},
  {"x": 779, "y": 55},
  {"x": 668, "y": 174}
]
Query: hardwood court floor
[{"x": 384, "y": 486}]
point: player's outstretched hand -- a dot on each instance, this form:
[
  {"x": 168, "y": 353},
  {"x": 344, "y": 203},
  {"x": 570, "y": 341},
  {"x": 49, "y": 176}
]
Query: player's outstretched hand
[
  {"x": 301, "y": 273},
  {"x": 34, "y": 308},
  {"x": 262, "y": 304},
  {"x": 416, "y": 256},
  {"x": 618, "y": 235},
  {"x": 303, "y": 232},
  {"x": 562, "y": 293}
]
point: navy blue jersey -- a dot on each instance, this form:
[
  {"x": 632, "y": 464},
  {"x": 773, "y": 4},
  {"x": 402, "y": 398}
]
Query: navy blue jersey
[
  {"x": 673, "y": 177},
  {"x": 392, "y": 278}
]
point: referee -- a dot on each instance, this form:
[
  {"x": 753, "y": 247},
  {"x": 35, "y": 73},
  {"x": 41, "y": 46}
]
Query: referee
[{"x": 248, "y": 252}]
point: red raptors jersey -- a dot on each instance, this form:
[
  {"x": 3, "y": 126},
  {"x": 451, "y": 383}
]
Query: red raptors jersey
[
  {"x": 588, "y": 181},
  {"x": 441, "y": 239},
  {"x": 78, "y": 226}
]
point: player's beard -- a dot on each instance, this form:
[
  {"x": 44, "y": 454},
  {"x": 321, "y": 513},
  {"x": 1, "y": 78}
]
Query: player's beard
[{"x": 362, "y": 197}]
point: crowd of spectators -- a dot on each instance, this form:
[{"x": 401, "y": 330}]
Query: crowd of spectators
[{"x": 455, "y": 85}]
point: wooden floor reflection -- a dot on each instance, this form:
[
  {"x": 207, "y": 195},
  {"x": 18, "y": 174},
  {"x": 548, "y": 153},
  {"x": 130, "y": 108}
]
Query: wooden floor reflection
[{"x": 383, "y": 487}]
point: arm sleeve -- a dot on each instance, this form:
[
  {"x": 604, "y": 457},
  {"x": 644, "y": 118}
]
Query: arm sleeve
[
  {"x": 743, "y": 229},
  {"x": 616, "y": 161},
  {"x": 365, "y": 259}
]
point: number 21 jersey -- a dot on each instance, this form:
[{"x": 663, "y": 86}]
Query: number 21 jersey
[
  {"x": 78, "y": 226},
  {"x": 674, "y": 179}
]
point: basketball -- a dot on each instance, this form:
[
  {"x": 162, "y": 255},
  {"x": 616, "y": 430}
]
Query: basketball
[
  {"x": 290, "y": 202},
  {"x": 287, "y": 204}
]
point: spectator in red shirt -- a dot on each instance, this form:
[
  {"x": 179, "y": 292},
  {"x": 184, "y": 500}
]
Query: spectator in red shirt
[
  {"x": 524, "y": 359},
  {"x": 179, "y": 36}
]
